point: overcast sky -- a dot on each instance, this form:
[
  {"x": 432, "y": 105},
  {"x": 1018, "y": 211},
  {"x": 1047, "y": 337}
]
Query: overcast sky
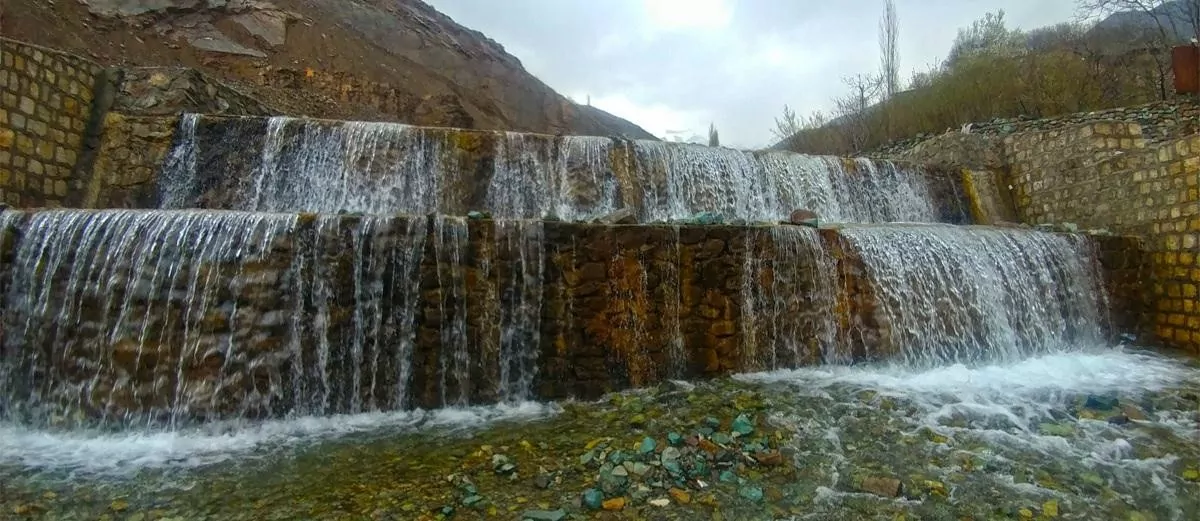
[{"x": 672, "y": 66}]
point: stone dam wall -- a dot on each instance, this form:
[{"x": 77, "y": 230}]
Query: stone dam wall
[
  {"x": 349, "y": 313},
  {"x": 1104, "y": 176},
  {"x": 1107, "y": 175}
]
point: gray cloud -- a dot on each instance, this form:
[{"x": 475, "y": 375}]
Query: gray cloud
[{"x": 738, "y": 73}]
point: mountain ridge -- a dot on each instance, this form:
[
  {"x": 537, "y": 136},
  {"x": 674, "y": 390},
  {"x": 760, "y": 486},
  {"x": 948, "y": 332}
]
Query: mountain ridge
[{"x": 391, "y": 60}]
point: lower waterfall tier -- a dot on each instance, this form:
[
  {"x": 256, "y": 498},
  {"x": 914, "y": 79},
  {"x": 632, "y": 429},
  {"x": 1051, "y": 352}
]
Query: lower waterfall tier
[{"x": 124, "y": 317}]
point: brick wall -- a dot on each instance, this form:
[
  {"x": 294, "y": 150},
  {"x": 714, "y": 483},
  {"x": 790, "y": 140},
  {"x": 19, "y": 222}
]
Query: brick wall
[
  {"x": 1102, "y": 175},
  {"x": 46, "y": 114}
]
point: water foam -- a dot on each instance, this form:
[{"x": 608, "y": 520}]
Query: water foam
[{"x": 117, "y": 454}]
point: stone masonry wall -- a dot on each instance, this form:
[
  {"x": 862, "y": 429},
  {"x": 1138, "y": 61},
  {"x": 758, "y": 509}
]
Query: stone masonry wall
[
  {"x": 46, "y": 113},
  {"x": 1102, "y": 175},
  {"x": 346, "y": 313}
]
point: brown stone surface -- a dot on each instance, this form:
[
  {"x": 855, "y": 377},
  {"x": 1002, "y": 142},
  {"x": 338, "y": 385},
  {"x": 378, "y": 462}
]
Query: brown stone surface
[{"x": 621, "y": 306}]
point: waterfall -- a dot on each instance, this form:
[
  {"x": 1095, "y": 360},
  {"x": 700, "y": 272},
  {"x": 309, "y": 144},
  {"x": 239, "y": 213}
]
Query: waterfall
[
  {"x": 947, "y": 294},
  {"x": 522, "y": 244},
  {"x": 356, "y": 166},
  {"x": 290, "y": 164},
  {"x": 177, "y": 178},
  {"x": 360, "y": 286},
  {"x": 116, "y": 309},
  {"x": 681, "y": 180},
  {"x": 788, "y": 299},
  {"x": 450, "y": 249}
]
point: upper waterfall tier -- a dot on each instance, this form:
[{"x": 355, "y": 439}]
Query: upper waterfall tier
[{"x": 287, "y": 164}]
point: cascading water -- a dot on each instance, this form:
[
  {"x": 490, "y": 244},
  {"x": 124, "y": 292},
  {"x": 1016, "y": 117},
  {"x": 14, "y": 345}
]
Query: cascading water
[
  {"x": 681, "y": 180},
  {"x": 949, "y": 294},
  {"x": 108, "y": 311},
  {"x": 381, "y": 168},
  {"x": 365, "y": 364},
  {"x": 385, "y": 168},
  {"x": 520, "y": 306},
  {"x": 788, "y": 299}
]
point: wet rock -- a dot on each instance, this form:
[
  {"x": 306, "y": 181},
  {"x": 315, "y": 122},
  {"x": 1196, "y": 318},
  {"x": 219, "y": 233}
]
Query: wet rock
[
  {"x": 1063, "y": 429},
  {"x": 1119, "y": 419},
  {"x": 1101, "y": 403},
  {"x": 674, "y": 439},
  {"x": 727, "y": 476},
  {"x": 615, "y": 504},
  {"x": 544, "y": 515},
  {"x": 593, "y": 499},
  {"x": 801, "y": 217},
  {"x": 751, "y": 492},
  {"x": 680, "y": 496},
  {"x": 502, "y": 465},
  {"x": 742, "y": 426},
  {"x": 543, "y": 481},
  {"x": 707, "y": 219},
  {"x": 471, "y": 501},
  {"x": 476, "y": 215},
  {"x": 882, "y": 486},
  {"x": 648, "y": 445},
  {"x": 622, "y": 216}
]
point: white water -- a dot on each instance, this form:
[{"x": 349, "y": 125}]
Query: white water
[
  {"x": 949, "y": 294},
  {"x": 127, "y": 453},
  {"x": 999, "y": 413},
  {"x": 387, "y": 168}
]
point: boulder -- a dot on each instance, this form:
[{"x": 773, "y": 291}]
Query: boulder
[
  {"x": 622, "y": 216},
  {"x": 885, "y": 487},
  {"x": 802, "y": 217}
]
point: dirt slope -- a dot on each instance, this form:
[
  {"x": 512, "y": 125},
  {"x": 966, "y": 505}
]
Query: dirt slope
[{"x": 388, "y": 60}]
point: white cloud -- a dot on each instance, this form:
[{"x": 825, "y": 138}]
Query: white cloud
[{"x": 679, "y": 64}]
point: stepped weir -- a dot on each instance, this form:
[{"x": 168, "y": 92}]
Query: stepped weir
[
  {"x": 315, "y": 283},
  {"x": 224, "y": 317}
]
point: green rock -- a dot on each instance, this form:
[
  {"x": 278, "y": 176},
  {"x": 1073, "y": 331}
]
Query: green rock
[
  {"x": 727, "y": 476},
  {"x": 751, "y": 493},
  {"x": 648, "y": 445},
  {"x": 616, "y": 457},
  {"x": 544, "y": 515},
  {"x": 1064, "y": 430},
  {"x": 721, "y": 438},
  {"x": 477, "y": 215},
  {"x": 593, "y": 499},
  {"x": 712, "y": 423},
  {"x": 674, "y": 439},
  {"x": 447, "y": 511},
  {"x": 742, "y": 426},
  {"x": 471, "y": 501}
]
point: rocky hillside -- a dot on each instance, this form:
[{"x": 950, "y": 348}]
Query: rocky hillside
[{"x": 388, "y": 60}]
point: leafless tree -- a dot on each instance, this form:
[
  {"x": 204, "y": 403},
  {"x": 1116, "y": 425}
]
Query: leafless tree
[
  {"x": 854, "y": 109},
  {"x": 713, "y": 139},
  {"x": 889, "y": 57},
  {"x": 786, "y": 125}
]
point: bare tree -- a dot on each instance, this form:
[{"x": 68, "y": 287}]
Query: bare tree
[
  {"x": 713, "y": 139},
  {"x": 853, "y": 110},
  {"x": 786, "y": 125},
  {"x": 1172, "y": 20},
  {"x": 889, "y": 57}
]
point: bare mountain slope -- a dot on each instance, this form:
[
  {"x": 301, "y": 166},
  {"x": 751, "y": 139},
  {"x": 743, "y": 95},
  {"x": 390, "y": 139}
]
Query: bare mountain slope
[{"x": 389, "y": 60}]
